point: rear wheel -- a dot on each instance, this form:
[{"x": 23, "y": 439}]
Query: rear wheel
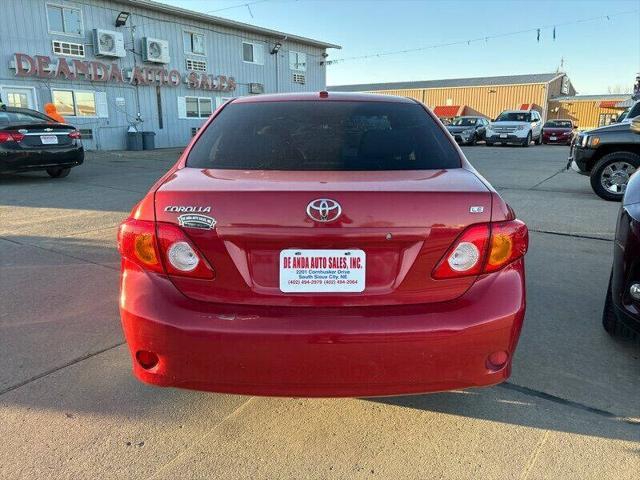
[
  {"x": 610, "y": 321},
  {"x": 58, "y": 172},
  {"x": 610, "y": 175}
]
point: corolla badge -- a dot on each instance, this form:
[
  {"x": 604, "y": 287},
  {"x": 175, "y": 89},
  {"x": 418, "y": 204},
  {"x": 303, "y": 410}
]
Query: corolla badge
[
  {"x": 186, "y": 209},
  {"x": 324, "y": 210}
]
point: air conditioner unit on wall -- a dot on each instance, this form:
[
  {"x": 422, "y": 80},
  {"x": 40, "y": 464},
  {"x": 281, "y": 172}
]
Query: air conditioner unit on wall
[
  {"x": 155, "y": 51},
  {"x": 256, "y": 88},
  {"x": 108, "y": 44}
]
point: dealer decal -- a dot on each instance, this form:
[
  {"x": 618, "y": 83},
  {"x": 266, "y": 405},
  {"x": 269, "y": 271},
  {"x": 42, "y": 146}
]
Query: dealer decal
[
  {"x": 340, "y": 271},
  {"x": 196, "y": 220}
]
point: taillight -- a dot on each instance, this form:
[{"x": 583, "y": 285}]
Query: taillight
[
  {"x": 11, "y": 137},
  {"x": 180, "y": 255},
  {"x": 75, "y": 134},
  {"x": 137, "y": 242},
  {"x": 484, "y": 248},
  {"x": 162, "y": 248},
  {"x": 509, "y": 242}
]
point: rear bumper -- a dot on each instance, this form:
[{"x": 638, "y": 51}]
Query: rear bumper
[
  {"x": 26, "y": 160},
  {"x": 327, "y": 352}
]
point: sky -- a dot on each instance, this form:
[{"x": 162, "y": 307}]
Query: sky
[{"x": 600, "y": 56}]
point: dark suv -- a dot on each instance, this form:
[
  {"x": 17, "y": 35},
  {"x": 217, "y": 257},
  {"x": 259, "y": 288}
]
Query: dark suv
[
  {"x": 609, "y": 155},
  {"x": 621, "y": 314}
]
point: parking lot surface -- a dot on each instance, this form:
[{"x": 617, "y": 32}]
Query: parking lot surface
[{"x": 70, "y": 408}]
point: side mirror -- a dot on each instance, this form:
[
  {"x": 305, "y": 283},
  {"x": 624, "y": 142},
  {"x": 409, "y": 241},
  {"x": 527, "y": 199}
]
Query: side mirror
[
  {"x": 635, "y": 125},
  {"x": 575, "y": 126}
]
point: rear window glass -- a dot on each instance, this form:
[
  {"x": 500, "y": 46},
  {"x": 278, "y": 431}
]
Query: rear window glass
[
  {"x": 8, "y": 117},
  {"x": 314, "y": 135}
]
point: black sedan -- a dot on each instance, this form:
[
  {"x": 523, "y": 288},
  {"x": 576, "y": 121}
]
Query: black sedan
[
  {"x": 30, "y": 140},
  {"x": 468, "y": 130},
  {"x": 621, "y": 314}
]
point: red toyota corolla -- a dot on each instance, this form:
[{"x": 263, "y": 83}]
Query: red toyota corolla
[{"x": 322, "y": 245}]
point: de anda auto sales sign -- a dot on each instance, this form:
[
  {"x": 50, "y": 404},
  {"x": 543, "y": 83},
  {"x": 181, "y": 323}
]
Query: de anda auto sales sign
[{"x": 44, "y": 67}]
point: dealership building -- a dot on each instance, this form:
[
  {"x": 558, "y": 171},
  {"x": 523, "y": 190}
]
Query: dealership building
[
  {"x": 552, "y": 94},
  {"x": 108, "y": 65}
]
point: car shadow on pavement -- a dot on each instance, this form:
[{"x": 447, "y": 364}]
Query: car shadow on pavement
[{"x": 505, "y": 404}]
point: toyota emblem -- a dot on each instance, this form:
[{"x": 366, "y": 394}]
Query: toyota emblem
[{"x": 324, "y": 210}]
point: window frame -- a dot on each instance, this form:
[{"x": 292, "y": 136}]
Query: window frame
[
  {"x": 202, "y": 61},
  {"x": 297, "y": 53},
  {"x": 198, "y": 100},
  {"x": 5, "y": 88},
  {"x": 70, "y": 55},
  {"x": 253, "y": 45},
  {"x": 191, "y": 52},
  {"x": 75, "y": 102},
  {"x": 62, "y": 7}
]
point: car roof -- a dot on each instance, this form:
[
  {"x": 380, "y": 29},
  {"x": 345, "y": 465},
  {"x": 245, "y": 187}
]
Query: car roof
[
  {"x": 471, "y": 116},
  {"x": 324, "y": 97},
  {"x": 559, "y": 120},
  {"x": 517, "y": 111}
]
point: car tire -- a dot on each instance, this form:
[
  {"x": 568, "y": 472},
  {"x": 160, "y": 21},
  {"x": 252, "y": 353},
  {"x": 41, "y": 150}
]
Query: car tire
[
  {"x": 58, "y": 172},
  {"x": 603, "y": 168},
  {"x": 610, "y": 321},
  {"x": 527, "y": 142},
  {"x": 488, "y": 143},
  {"x": 474, "y": 140}
]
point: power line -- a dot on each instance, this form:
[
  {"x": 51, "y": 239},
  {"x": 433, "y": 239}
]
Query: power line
[
  {"x": 485, "y": 38},
  {"x": 246, "y": 4}
]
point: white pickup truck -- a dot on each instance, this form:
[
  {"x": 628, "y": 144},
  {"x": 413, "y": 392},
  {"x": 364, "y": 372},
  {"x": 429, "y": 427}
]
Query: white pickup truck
[{"x": 515, "y": 126}]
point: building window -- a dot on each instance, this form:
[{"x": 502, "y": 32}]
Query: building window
[
  {"x": 68, "y": 49},
  {"x": 198, "y": 107},
  {"x": 64, "y": 19},
  {"x": 298, "y": 61},
  {"x": 19, "y": 100},
  {"x": 193, "y": 43},
  {"x": 196, "y": 65},
  {"x": 606, "y": 118},
  {"x": 253, "y": 53},
  {"x": 74, "y": 103},
  {"x": 299, "y": 78}
]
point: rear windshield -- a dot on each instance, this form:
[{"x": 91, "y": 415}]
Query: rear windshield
[
  {"x": 514, "y": 117},
  {"x": 558, "y": 124},
  {"x": 315, "y": 135},
  {"x": 9, "y": 117}
]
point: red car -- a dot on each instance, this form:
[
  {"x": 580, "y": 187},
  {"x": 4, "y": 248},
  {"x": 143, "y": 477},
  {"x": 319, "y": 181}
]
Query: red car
[
  {"x": 322, "y": 245},
  {"x": 558, "y": 131}
]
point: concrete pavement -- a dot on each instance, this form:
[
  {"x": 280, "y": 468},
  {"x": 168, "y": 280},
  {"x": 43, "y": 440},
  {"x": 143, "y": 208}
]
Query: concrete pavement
[{"x": 69, "y": 407}]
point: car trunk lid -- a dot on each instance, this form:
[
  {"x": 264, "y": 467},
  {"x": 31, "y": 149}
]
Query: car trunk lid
[
  {"x": 403, "y": 221},
  {"x": 42, "y": 135}
]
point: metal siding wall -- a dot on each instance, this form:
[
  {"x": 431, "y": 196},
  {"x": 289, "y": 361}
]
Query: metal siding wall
[
  {"x": 506, "y": 97},
  {"x": 24, "y": 29},
  {"x": 585, "y": 113}
]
